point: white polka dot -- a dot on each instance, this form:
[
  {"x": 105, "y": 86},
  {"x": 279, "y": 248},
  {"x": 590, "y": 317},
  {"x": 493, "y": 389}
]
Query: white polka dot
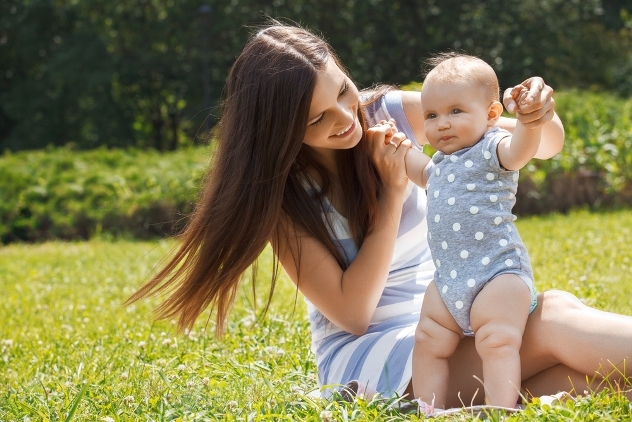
[
  {"x": 429, "y": 236},
  {"x": 437, "y": 218},
  {"x": 451, "y": 201},
  {"x": 511, "y": 195},
  {"x": 456, "y": 227},
  {"x": 518, "y": 251},
  {"x": 450, "y": 178},
  {"x": 478, "y": 235},
  {"x": 438, "y": 263},
  {"x": 453, "y": 158},
  {"x": 471, "y": 186},
  {"x": 436, "y": 194},
  {"x": 473, "y": 210},
  {"x": 453, "y": 274},
  {"x": 471, "y": 282},
  {"x": 501, "y": 207},
  {"x": 464, "y": 254},
  {"x": 487, "y": 155},
  {"x": 490, "y": 176},
  {"x": 445, "y": 289},
  {"x": 458, "y": 304},
  {"x": 469, "y": 163},
  {"x": 497, "y": 220},
  {"x": 438, "y": 172},
  {"x": 493, "y": 198},
  {"x": 515, "y": 177},
  {"x": 503, "y": 242},
  {"x": 514, "y": 218},
  {"x": 444, "y": 245},
  {"x": 509, "y": 262},
  {"x": 485, "y": 261},
  {"x": 509, "y": 228}
]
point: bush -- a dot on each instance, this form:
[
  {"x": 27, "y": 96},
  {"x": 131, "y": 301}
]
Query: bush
[
  {"x": 595, "y": 167},
  {"x": 66, "y": 194}
]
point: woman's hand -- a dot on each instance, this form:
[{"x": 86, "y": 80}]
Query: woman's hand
[
  {"x": 388, "y": 150},
  {"x": 532, "y": 100}
]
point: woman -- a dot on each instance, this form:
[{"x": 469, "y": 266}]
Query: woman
[{"x": 298, "y": 167}]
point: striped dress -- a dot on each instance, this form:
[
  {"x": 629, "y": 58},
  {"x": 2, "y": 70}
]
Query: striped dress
[{"x": 382, "y": 357}]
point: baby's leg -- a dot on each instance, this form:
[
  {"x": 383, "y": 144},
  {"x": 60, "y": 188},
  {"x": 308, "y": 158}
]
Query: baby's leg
[
  {"x": 436, "y": 338},
  {"x": 498, "y": 317}
]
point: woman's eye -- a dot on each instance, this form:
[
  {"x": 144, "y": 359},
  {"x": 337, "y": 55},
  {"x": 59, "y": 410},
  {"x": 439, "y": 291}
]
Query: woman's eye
[
  {"x": 345, "y": 88},
  {"x": 320, "y": 119}
]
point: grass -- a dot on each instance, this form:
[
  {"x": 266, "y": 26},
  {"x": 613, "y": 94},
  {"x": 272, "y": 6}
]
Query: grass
[{"x": 70, "y": 351}]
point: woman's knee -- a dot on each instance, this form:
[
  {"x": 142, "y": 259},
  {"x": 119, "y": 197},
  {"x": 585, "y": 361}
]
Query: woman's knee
[{"x": 558, "y": 304}]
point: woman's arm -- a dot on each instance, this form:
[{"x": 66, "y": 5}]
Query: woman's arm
[
  {"x": 349, "y": 298},
  {"x": 536, "y": 109}
]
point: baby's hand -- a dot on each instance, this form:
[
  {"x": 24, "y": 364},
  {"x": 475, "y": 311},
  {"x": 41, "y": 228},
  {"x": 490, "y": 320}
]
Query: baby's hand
[
  {"x": 519, "y": 94},
  {"x": 532, "y": 101}
]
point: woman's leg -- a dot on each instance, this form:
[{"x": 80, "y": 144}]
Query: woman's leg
[
  {"x": 562, "y": 330},
  {"x": 564, "y": 341}
]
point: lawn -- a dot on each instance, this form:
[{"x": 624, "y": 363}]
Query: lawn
[{"x": 70, "y": 350}]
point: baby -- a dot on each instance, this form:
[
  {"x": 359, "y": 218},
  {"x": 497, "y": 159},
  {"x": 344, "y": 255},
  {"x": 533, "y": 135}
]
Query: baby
[{"x": 483, "y": 283}]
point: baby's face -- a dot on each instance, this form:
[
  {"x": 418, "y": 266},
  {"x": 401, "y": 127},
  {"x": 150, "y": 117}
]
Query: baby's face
[{"x": 456, "y": 115}]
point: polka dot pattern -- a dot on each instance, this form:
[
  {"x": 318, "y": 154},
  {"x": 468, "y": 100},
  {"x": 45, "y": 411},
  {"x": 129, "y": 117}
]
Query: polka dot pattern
[{"x": 473, "y": 196}]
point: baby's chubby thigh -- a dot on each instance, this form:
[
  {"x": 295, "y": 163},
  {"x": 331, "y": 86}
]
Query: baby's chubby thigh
[
  {"x": 499, "y": 314},
  {"x": 437, "y": 332}
]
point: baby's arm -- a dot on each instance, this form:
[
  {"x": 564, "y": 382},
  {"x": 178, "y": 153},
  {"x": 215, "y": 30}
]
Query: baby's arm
[
  {"x": 416, "y": 162},
  {"x": 515, "y": 151}
]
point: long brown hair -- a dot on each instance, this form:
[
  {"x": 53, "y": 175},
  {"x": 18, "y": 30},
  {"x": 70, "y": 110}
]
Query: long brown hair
[{"x": 255, "y": 187}]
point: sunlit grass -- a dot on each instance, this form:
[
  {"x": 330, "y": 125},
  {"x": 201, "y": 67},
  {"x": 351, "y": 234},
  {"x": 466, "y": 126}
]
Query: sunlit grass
[{"x": 69, "y": 350}]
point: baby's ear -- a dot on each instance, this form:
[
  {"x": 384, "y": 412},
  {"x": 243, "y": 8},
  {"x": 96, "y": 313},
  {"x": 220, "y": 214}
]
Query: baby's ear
[{"x": 494, "y": 112}]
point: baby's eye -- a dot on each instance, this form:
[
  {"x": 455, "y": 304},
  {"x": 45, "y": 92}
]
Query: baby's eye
[
  {"x": 456, "y": 111},
  {"x": 430, "y": 116}
]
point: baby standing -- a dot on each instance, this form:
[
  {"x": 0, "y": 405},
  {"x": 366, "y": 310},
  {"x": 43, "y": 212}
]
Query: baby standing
[{"x": 483, "y": 282}]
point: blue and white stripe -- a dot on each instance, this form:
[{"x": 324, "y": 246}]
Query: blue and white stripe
[{"x": 380, "y": 358}]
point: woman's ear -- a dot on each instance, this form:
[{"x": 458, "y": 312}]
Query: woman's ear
[{"x": 493, "y": 113}]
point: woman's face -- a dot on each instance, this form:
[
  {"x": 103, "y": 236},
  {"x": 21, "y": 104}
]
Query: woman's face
[{"x": 333, "y": 122}]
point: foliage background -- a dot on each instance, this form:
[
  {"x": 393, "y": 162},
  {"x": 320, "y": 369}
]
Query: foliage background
[{"x": 119, "y": 74}]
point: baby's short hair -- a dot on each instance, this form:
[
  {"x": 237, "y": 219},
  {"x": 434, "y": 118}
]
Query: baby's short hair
[{"x": 455, "y": 67}]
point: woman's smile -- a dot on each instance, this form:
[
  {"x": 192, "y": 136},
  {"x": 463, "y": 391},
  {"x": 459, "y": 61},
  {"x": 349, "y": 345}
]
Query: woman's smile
[{"x": 347, "y": 131}]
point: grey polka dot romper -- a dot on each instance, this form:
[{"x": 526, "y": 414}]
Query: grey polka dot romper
[{"x": 470, "y": 225}]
